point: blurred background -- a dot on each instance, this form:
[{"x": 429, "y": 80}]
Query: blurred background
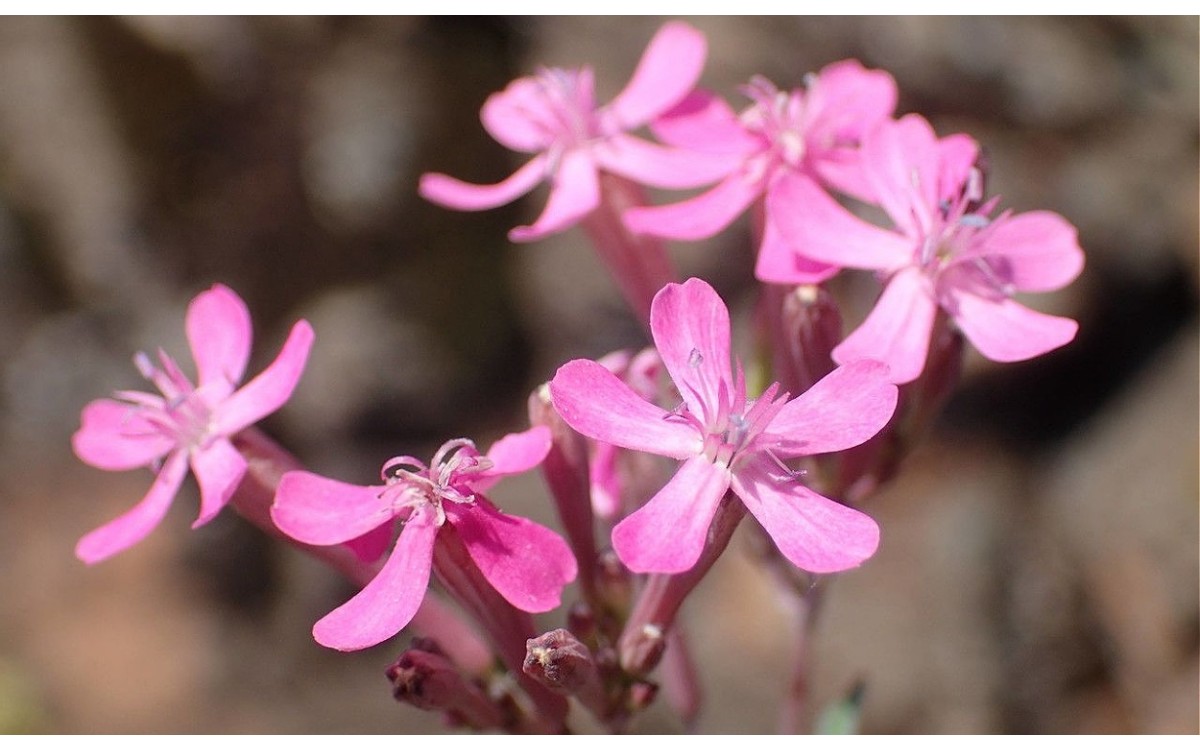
[{"x": 1038, "y": 570}]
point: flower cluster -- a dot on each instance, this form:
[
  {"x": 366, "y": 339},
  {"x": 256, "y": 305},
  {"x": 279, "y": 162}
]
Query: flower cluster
[{"x": 789, "y": 440}]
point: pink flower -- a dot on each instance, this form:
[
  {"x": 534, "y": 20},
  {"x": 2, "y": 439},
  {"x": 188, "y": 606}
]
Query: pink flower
[
  {"x": 945, "y": 252},
  {"x": 526, "y": 563},
  {"x": 187, "y": 424},
  {"x": 554, "y": 115},
  {"x": 807, "y": 136},
  {"x": 727, "y": 441}
]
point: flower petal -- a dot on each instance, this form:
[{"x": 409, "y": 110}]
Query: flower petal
[
  {"x": 370, "y": 546},
  {"x": 808, "y": 218},
  {"x": 668, "y": 70},
  {"x": 389, "y": 601},
  {"x": 1006, "y": 331},
  {"x": 218, "y": 330},
  {"x": 513, "y": 454},
  {"x": 516, "y": 116},
  {"x": 813, "y": 532},
  {"x": 596, "y": 404},
  {"x": 317, "y": 510},
  {"x": 844, "y": 409},
  {"x": 705, "y": 122},
  {"x": 690, "y": 326},
  {"x": 219, "y": 469},
  {"x": 270, "y": 389},
  {"x": 898, "y": 329},
  {"x": 574, "y": 192},
  {"x": 658, "y": 166},
  {"x": 132, "y": 527},
  {"x": 847, "y": 100},
  {"x": 1036, "y": 251},
  {"x": 699, "y": 217},
  {"x": 780, "y": 262},
  {"x": 902, "y": 162},
  {"x": 113, "y": 436},
  {"x": 464, "y": 196},
  {"x": 668, "y": 533},
  {"x": 526, "y": 562}
]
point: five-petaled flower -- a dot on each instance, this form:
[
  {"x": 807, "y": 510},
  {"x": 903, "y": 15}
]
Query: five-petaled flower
[
  {"x": 554, "y": 115},
  {"x": 728, "y": 441},
  {"x": 945, "y": 252},
  {"x": 187, "y": 424},
  {"x": 525, "y": 562},
  {"x": 810, "y": 135}
]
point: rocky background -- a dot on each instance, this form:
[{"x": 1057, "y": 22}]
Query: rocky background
[{"x": 1038, "y": 571}]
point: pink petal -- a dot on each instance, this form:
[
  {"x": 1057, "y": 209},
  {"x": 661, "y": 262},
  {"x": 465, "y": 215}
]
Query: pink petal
[
  {"x": 515, "y": 117},
  {"x": 897, "y": 331},
  {"x": 668, "y": 70},
  {"x": 902, "y": 162},
  {"x": 596, "y": 404},
  {"x": 526, "y": 562},
  {"x": 219, "y": 469},
  {"x": 808, "y": 218},
  {"x": 113, "y": 436},
  {"x": 699, "y": 217},
  {"x": 813, "y": 532},
  {"x": 389, "y": 601},
  {"x": 844, "y": 409},
  {"x": 780, "y": 262},
  {"x": 271, "y": 388},
  {"x": 958, "y": 154},
  {"x": 690, "y": 326},
  {"x": 605, "y": 481},
  {"x": 847, "y": 100},
  {"x": 667, "y": 534},
  {"x": 132, "y": 527},
  {"x": 316, "y": 510},
  {"x": 1005, "y": 331},
  {"x": 1036, "y": 251},
  {"x": 514, "y": 454},
  {"x": 704, "y": 122},
  {"x": 218, "y": 330},
  {"x": 370, "y": 546},
  {"x": 464, "y": 196},
  {"x": 574, "y": 192},
  {"x": 657, "y": 166}
]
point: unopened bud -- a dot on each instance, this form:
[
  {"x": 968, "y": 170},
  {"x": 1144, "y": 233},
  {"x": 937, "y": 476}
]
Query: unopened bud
[
  {"x": 642, "y": 649},
  {"x": 425, "y": 678},
  {"x": 810, "y": 328},
  {"x": 641, "y": 695}
]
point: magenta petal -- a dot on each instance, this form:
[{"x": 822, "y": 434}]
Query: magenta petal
[
  {"x": 813, "y": 532},
  {"x": 596, "y": 404},
  {"x": 699, "y": 217},
  {"x": 1036, "y": 251},
  {"x": 316, "y": 510},
  {"x": 519, "y": 451},
  {"x": 464, "y": 196},
  {"x": 516, "y": 116},
  {"x": 779, "y": 262},
  {"x": 218, "y": 330},
  {"x": 847, "y": 100},
  {"x": 526, "y": 562},
  {"x": 219, "y": 469},
  {"x": 809, "y": 219},
  {"x": 704, "y": 122},
  {"x": 574, "y": 192},
  {"x": 658, "y": 166},
  {"x": 667, "y": 534},
  {"x": 958, "y": 154},
  {"x": 897, "y": 331},
  {"x": 389, "y": 601},
  {"x": 690, "y": 325},
  {"x": 668, "y": 70},
  {"x": 902, "y": 162},
  {"x": 605, "y": 481},
  {"x": 113, "y": 436},
  {"x": 1006, "y": 331},
  {"x": 370, "y": 546},
  {"x": 271, "y": 388},
  {"x": 844, "y": 409},
  {"x": 132, "y": 527}
]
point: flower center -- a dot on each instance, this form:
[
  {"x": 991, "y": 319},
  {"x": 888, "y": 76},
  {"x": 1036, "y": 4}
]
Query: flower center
[
  {"x": 411, "y": 483},
  {"x": 565, "y": 110},
  {"x": 183, "y": 413},
  {"x": 778, "y": 116}
]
